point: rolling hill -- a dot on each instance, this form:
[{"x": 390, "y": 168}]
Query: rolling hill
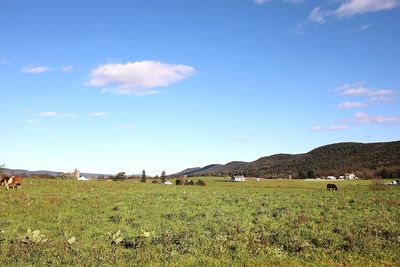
[{"x": 365, "y": 160}]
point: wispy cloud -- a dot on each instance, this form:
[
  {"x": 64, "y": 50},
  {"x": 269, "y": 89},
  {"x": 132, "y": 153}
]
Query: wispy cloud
[
  {"x": 67, "y": 68},
  {"x": 31, "y": 121},
  {"x": 333, "y": 128},
  {"x": 354, "y": 7},
  {"x": 318, "y": 15},
  {"x": 35, "y": 70},
  {"x": 138, "y": 78},
  {"x": 316, "y": 129},
  {"x": 365, "y": 27},
  {"x": 48, "y": 114},
  {"x": 299, "y": 29},
  {"x": 348, "y": 105},
  {"x": 98, "y": 114},
  {"x": 362, "y": 117},
  {"x": 371, "y": 93},
  {"x": 349, "y": 8}
]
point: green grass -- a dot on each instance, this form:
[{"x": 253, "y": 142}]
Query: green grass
[{"x": 253, "y": 223}]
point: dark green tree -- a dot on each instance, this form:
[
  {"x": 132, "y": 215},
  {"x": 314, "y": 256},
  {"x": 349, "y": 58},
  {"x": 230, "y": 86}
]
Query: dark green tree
[
  {"x": 163, "y": 177},
  {"x": 301, "y": 175},
  {"x": 119, "y": 176},
  {"x": 143, "y": 178},
  {"x": 310, "y": 174}
]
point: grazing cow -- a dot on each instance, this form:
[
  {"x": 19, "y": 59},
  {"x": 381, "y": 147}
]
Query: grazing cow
[
  {"x": 332, "y": 187},
  {"x": 13, "y": 182}
]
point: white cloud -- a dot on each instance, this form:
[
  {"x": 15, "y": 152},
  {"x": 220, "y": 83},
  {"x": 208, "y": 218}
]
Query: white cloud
[
  {"x": 349, "y": 8},
  {"x": 318, "y": 15},
  {"x": 353, "y": 7},
  {"x": 98, "y": 114},
  {"x": 48, "y": 114},
  {"x": 348, "y": 105},
  {"x": 138, "y": 78},
  {"x": 31, "y": 121},
  {"x": 4, "y": 62},
  {"x": 372, "y": 94},
  {"x": 67, "y": 68},
  {"x": 362, "y": 117},
  {"x": 35, "y": 70}
]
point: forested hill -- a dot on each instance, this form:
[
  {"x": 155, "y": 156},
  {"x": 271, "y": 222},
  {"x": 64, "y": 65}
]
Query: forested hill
[{"x": 365, "y": 160}]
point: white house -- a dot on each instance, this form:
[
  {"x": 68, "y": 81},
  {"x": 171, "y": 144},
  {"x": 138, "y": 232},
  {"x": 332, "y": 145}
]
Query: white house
[
  {"x": 351, "y": 176},
  {"x": 237, "y": 178},
  {"x": 331, "y": 177}
]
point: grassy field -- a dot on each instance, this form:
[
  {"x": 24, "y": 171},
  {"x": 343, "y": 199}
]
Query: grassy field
[{"x": 253, "y": 223}]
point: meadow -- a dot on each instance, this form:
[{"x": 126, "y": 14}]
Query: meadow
[{"x": 252, "y": 223}]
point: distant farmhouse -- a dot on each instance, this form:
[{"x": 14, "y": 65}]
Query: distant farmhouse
[
  {"x": 347, "y": 176},
  {"x": 237, "y": 178}
]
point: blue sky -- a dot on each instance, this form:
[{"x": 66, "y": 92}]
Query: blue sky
[{"x": 111, "y": 86}]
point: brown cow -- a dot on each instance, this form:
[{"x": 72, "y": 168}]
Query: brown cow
[{"x": 13, "y": 181}]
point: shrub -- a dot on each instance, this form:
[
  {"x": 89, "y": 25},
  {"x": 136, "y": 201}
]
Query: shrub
[{"x": 200, "y": 182}]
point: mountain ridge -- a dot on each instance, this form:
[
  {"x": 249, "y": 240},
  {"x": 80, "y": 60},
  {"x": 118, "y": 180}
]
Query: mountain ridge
[{"x": 364, "y": 159}]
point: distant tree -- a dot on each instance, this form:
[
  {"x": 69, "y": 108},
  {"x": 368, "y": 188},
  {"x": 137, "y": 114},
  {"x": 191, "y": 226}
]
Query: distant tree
[
  {"x": 301, "y": 175},
  {"x": 119, "y": 176},
  {"x": 65, "y": 176},
  {"x": 143, "y": 179},
  {"x": 310, "y": 174},
  {"x": 163, "y": 177}
]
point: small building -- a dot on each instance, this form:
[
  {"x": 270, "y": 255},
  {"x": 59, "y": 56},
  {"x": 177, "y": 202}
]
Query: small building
[
  {"x": 331, "y": 177},
  {"x": 351, "y": 176},
  {"x": 168, "y": 183},
  {"x": 237, "y": 178}
]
